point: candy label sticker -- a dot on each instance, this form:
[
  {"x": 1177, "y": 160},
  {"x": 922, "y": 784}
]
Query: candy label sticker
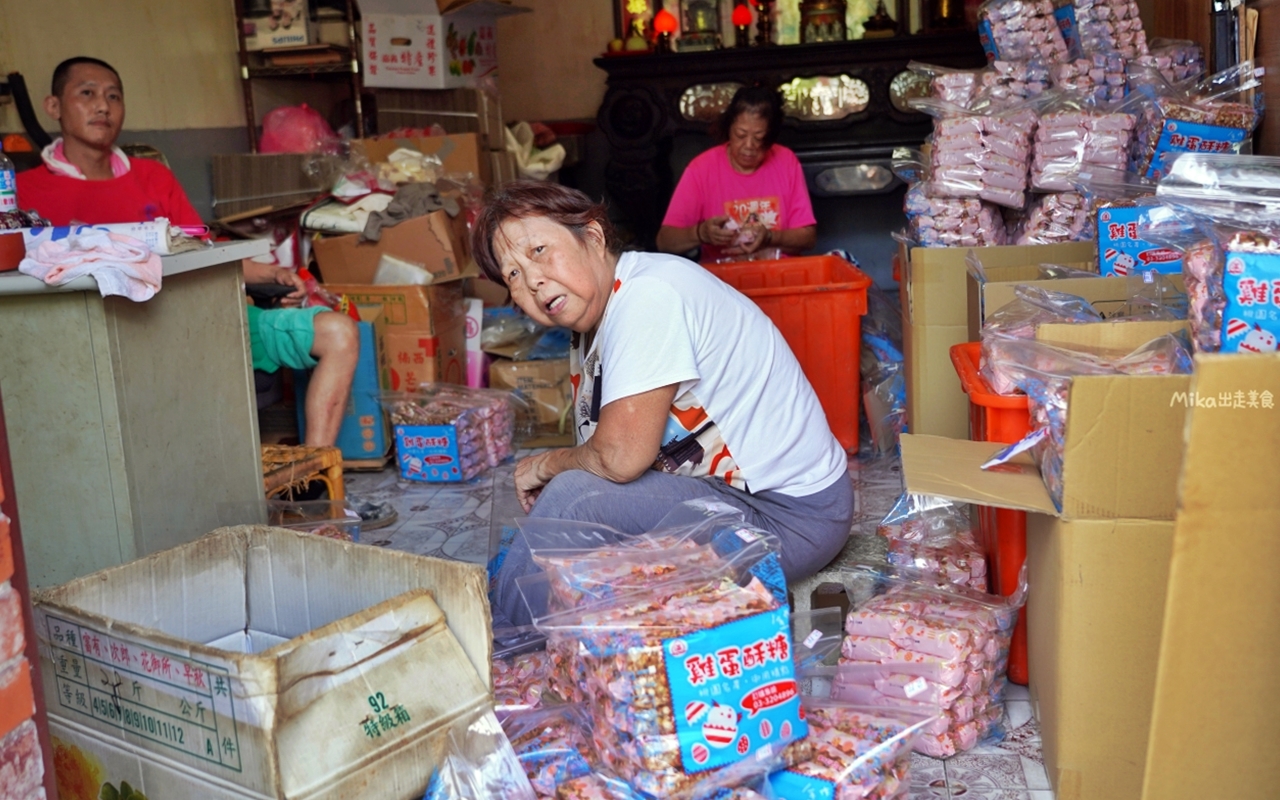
[
  {"x": 727, "y": 675},
  {"x": 915, "y": 687},
  {"x": 1251, "y": 319},
  {"x": 812, "y": 639},
  {"x": 1191, "y": 137},
  {"x": 1122, "y": 252}
]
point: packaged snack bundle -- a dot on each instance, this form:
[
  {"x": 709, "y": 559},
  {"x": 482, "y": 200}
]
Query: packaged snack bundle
[
  {"x": 1030, "y": 308},
  {"x": 1045, "y": 373},
  {"x": 519, "y": 681},
  {"x": 1215, "y": 115},
  {"x": 1000, "y": 85},
  {"x": 1176, "y": 60},
  {"x": 450, "y": 433},
  {"x": 1105, "y": 25},
  {"x": 1071, "y": 138},
  {"x": 951, "y": 222},
  {"x": 552, "y": 744},
  {"x": 934, "y": 535},
  {"x": 1100, "y": 75},
  {"x": 1054, "y": 219},
  {"x": 1229, "y": 207},
  {"x": 687, "y": 684},
  {"x": 982, "y": 156},
  {"x": 931, "y": 643},
  {"x": 854, "y": 752},
  {"x": 1121, "y": 203},
  {"x": 1018, "y": 30},
  {"x": 478, "y": 763}
]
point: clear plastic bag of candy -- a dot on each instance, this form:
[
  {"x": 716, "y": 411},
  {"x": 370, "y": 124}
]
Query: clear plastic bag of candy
[
  {"x": 448, "y": 433},
  {"x": 690, "y": 684},
  {"x": 1032, "y": 306},
  {"x": 1054, "y": 218},
  {"x": 1017, "y": 30},
  {"x": 521, "y": 669},
  {"x": 934, "y": 535},
  {"x": 853, "y": 751},
  {"x": 1228, "y": 228},
  {"x": 1076, "y": 133},
  {"x": 478, "y": 763},
  {"x": 934, "y": 220},
  {"x": 553, "y": 745},
  {"x": 1100, "y": 75},
  {"x": 1110, "y": 26},
  {"x": 817, "y": 635},
  {"x": 921, "y": 639},
  {"x": 979, "y": 155},
  {"x": 1176, "y": 60},
  {"x": 998, "y": 85},
  {"x": 1121, "y": 202}
]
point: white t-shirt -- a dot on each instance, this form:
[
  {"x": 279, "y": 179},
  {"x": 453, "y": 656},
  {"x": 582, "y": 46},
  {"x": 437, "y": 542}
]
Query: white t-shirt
[{"x": 744, "y": 411}]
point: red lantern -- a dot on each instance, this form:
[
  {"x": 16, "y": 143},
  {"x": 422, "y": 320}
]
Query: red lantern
[
  {"x": 664, "y": 24},
  {"x": 741, "y": 24}
]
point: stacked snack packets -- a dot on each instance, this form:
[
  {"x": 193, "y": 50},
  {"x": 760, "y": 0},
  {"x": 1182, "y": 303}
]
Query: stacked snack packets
[
  {"x": 1031, "y": 307},
  {"x": 924, "y": 640},
  {"x": 1021, "y": 29},
  {"x": 446, "y": 433},
  {"x": 684, "y": 664},
  {"x": 1103, "y": 26},
  {"x": 1230, "y": 239},
  {"x": 934, "y": 535},
  {"x": 553, "y": 745}
]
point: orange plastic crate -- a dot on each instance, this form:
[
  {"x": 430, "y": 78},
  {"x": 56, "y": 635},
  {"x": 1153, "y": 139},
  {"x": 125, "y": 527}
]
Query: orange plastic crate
[
  {"x": 1003, "y": 419},
  {"x": 817, "y": 302}
]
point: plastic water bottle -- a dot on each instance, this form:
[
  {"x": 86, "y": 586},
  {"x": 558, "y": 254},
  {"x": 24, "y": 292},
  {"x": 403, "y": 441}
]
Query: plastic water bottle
[{"x": 8, "y": 185}]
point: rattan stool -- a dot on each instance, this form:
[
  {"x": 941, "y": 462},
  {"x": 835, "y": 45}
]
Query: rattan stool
[{"x": 286, "y": 469}]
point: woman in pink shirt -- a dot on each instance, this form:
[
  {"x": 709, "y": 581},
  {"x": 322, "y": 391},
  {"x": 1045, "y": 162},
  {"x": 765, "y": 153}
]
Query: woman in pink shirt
[{"x": 744, "y": 195}]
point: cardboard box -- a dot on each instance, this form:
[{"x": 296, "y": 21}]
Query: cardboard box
[
  {"x": 935, "y": 312},
  {"x": 364, "y": 433},
  {"x": 1098, "y": 569},
  {"x": 409, "y": 359},
  {"x": 289, "y": 28},
  {"x": 475, "y": 356},
  {"x": 455, "y": 110},
  {"x": 545, "y": 388},
  {"x": 244, "y": 183},
  {"x": 459, "y": 152},
  {"x": 414, "y": 44},
  {"x": 263, "y": 663},
  {"x": 1109, "y": 295},
  {"x": 1222, "y": 595},
  {"x": 430, "y": 242},
  {"x": 430, "y": 309}
]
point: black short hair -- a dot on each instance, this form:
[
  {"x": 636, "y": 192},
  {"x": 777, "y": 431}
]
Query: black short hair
[
  {"x": 62, "y": 72},
  {"x": 751, "y": 100}
]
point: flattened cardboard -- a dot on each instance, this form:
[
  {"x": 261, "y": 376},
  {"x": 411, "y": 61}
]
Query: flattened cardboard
[
  {"x": 936, "y": 316},
  {"x": 1214, "y": 723},
  {"x": 952, "y": 468},
  {"x": 430, "y": 242},
  {"x": 189, "y": 719}
]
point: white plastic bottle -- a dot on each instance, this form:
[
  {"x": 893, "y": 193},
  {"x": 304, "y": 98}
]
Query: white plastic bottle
[{"x": 8, "y": 185}]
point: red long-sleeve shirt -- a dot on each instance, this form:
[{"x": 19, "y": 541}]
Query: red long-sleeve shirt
[{"x": 147, "y": 191}]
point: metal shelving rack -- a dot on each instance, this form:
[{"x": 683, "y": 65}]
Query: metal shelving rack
[{"x": 252, "y": 70}]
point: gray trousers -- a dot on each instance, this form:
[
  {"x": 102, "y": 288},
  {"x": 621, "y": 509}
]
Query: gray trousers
[{"x": 812, "y": 529}]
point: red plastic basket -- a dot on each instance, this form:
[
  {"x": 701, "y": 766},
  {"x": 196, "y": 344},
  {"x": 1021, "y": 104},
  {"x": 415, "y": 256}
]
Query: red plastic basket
[
  {"x": 817, "y": 302},
  {"x": 1004, "y": 419}
]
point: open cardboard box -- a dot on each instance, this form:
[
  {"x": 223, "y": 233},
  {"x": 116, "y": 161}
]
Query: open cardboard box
[
  {"x": 1097, "y": 569},
  {"x": 433, "y": 242},
  {"x": 935, "y": 312},
  {"x": 1109, "y": 295},
  {"x": 258, "y": 662}
]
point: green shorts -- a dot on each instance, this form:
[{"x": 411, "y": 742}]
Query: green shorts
[{"x": 282, "y": 337}]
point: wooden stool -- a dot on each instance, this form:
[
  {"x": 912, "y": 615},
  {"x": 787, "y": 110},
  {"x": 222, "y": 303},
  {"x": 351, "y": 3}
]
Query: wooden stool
[{"x": 285, "y": 469}]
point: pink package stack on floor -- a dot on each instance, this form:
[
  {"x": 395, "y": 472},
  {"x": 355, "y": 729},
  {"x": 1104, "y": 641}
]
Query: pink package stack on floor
[
  {"x": 934, "y": 535},
  {"x": 983, "y": 157},
  {"x": 1055, "y": 219},
  {"x": 470, "y": 427},
  {"x": 1101, "y": 76},
  {"x": 942, "y": 647},
  {"x": 1019, "y": 30},
  {"x": 1068, "y": 141},
  {"x": 1110, "y": 25}
]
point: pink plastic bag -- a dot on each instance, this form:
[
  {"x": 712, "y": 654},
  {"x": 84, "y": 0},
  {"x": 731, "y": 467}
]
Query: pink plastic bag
[{"x": 297, "y": 129}]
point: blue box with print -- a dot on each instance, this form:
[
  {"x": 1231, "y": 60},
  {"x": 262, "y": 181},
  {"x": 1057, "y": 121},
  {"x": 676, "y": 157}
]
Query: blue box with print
[{"x": 428, "y": 453}]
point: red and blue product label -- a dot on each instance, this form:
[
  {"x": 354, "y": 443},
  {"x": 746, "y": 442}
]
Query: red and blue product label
[
  {"x": 734, "y": 691},
  {"x": 1065, "y": 17},
  {"x": 428, "y": 453},
  {"x": 1122, "y": 252},
  {"x": 1251, "y": 318},
  {"x": 1191, "y": 137}
]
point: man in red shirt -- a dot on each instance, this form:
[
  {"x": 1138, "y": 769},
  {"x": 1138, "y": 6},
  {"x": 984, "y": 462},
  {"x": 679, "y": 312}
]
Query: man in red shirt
[{"x": 85, "y": 178}]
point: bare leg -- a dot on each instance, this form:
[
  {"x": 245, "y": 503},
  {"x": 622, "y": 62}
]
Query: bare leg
[{"x": 337, "y": 348}]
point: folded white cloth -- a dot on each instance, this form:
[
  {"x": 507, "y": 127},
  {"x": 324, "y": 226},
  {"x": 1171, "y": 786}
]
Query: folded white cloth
[{"x": 120, "y": 264}]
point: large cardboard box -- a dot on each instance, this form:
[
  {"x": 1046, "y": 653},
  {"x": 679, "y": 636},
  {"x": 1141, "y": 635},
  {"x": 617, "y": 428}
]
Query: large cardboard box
[
  {"x": 455, "y": 110},
  {"x": 1097, "y": 569},
  {"x": 1109, "y": 295},
  {"x": 364, "y": 434},
  {"x": 935, "y": 309},
  {"x": 416, "y": 44},
  {"x": 263, "y": 663},
  {"x": 410, "y": 359},
  {"x": 425, "y": 309},
  {"x": 1214, "y": 723},
  {"x": 545, "y": 388},
  {"x": 431, "y": 242},
  {"x": 459, "y": 152}
]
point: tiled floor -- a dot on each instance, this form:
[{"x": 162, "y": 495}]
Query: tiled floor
[{"x": 461, "y": 522}]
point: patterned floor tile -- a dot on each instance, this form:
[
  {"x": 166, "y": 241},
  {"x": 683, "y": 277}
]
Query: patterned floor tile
[{"x": 986, "y": 771}]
